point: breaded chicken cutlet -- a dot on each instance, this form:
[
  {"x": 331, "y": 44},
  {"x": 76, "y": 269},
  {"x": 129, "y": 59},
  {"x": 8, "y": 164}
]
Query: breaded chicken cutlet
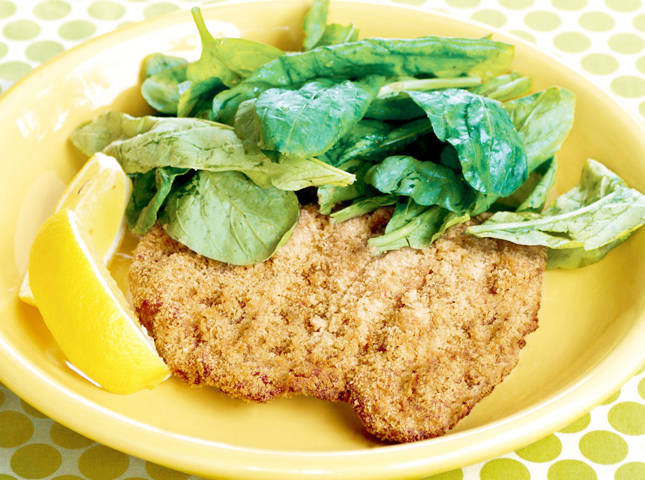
[{"x": 412, "y": 339}]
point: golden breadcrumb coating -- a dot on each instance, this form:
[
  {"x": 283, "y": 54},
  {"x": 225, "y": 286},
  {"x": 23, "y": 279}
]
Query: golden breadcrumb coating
[{"x": 412, "y": 339}]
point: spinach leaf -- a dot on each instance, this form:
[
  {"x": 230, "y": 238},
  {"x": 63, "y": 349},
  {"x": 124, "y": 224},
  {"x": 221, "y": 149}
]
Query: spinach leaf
[
  {"x": 228, "y": 59},
  {"x": 504, "y": 87},
  {"x": 314, "y": 23},
  {"x": 227, "y": 217},
  {"x": 141, "y": 144},
  {"x": 426, "y": 84},
  {"x": 149, "y": 192},
  {"x": 161, "y": 90},
  {"x": 362, "y": 206},
  {"x": 397, "y": 106},
  {"x": 600, "y": 211},
  {"x": 335, "y": 34},
  {"x": 404, "y": 211},
  {"x": 426, "y": 56},
  {"x": 426, "y": 182},
  {"x": 373, "y": 141},
  {"x": 156, "y": 62},
  {"x": 420, "y": 232},
  {"x": 329, "y": 196},
  {"x": 296, "y": 173},
  {"x": 195, "y": 99},
  {"x": 490, "y": 151},
  {"x": 533, "y": 193},
  {"x": 542, "y": 120},
  {"x": 310, "y": 120}
]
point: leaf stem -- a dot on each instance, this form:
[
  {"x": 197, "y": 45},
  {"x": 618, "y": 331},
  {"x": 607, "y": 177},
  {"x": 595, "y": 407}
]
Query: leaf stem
[{"x": 429, "y": 84}]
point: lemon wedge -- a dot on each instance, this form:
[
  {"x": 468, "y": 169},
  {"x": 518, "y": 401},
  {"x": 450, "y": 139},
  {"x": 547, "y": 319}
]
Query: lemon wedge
[
  {"x": 98, "y": 195},
  {"x": 86, "y": 311}
]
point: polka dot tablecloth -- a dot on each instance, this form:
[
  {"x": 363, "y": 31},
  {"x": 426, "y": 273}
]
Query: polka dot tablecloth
[{"x": 603, "y": 38}]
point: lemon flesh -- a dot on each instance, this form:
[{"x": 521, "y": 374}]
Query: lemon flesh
[
  {"x": 86, "y": 312},
  {"x": 98, "y": 195}
]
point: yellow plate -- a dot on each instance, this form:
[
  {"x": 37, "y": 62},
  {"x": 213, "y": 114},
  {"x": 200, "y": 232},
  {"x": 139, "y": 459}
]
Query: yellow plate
[{"x": 592, "y": 322}]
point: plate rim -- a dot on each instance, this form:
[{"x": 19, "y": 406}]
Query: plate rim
[{"x": 58, "y": 402}]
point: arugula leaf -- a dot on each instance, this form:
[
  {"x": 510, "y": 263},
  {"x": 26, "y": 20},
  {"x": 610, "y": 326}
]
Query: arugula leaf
[
  {"x": 362, "y": 206},
  {"x": 227, "y": 217},
  {"x": 156, "y": 62},
  {"x": 542, "y": 120},
  {"x": 426, "y": 182},
  {"x": 310, "y": 120},
  {"x": 143, "y": 143},
  {"x": 335, "y": 33},
  {"x": 600, "y": 211},
  {"x": 426, "y": 56},
  {"x": 504, "y": 87},
  {"x": 490, "y": 151},
  {"x": 149, "y": 192},
  {"x": 314, "y": 23}
]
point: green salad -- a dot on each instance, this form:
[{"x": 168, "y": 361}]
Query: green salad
[{"x": 438, "y": 128}]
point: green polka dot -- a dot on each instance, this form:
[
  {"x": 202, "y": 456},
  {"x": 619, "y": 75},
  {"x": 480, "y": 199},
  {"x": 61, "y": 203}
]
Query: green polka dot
[
  {"x": 629, "y": 86},
  {"x": 542, "y": 21},
  {"x": 578, "y": 425},
  {"x": 640, "y": 64},
  {"x": 603, "y": 447},
  {"x": 451, "y": 475},
  {"x": 15, "y": 428},
  {"x": 631, "y": 471},
  {"x": 41, "y": 51},
  {"x": 599, "y": 63},
  {"x": 490, "y": 17},
  {"x": 76, "y": 29},
  {"x": 157, "y": 472},
  {"x": 66, "y": 438},
  {"x": 463, "y": 3},
  {"x": 524, "y": 35},
  {"x": 543, "y": 450},
  {"x": 21, "y": 30},
  {"x": 4, "y": 476},
  {"x": 572, "y": 42},
  {"x": 641, "y": 110},
  {"x": 158, "y": 9},
  {"x": 611, "y": 398},
  {"x": 570, "y": 470},
  {"x": 13, "y": 71},
  {"x": 641, "y": 388},
  {"x": 639, "y": 22},
  {"x": 102, "y": 463},
  {"x": 106, "y": 10},
  {"x": 569, "y": 4},
  {"x": 52, "y": 9},
  {"x": 3, "y": 49},
  {"x": 597, "y": 21},
  {"x": 623, "y": 5},
  {"x": 67, "y": 477},
  {"x": 626, "y": 43},
  {"x": 31, "y": 410},
  {"x": 628, "y": 418},
  {"x": 516, "y": 4},
  {"x": 7, "y": 8},
  {"x": 411, "y": 2},
  {"x": 504, "y": 469},
  {"x": 35, "y": 461}
]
